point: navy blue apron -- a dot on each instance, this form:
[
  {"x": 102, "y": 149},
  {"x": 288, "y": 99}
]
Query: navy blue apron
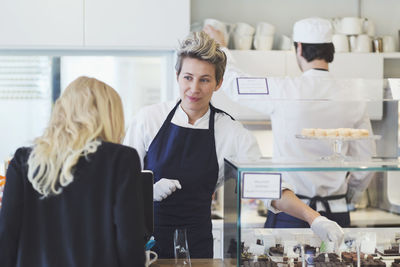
[
  {"x": 188, "y": 155},
  {"x": 284, "y": 220}
]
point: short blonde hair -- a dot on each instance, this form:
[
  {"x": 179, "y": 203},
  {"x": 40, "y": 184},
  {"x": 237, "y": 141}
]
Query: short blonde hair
[
  {"x": 200, "y": 46},
  {"x": 89, "y": 111}
]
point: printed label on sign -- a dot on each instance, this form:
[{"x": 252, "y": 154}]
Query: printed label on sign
[
  {"x": 262, "y": 185},
  {"x": 252, "y": 86}
]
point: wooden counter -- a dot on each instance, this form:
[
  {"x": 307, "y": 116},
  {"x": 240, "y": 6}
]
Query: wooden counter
[{"x": 197, "y": 263}]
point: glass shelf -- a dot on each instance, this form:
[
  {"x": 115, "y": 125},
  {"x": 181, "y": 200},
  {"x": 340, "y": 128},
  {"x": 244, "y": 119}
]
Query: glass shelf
[{"x": 269, "y": 164}]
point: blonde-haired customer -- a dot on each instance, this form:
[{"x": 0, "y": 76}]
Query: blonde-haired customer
[{"x": 72, "y": 199}]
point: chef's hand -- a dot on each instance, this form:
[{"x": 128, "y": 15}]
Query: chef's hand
[
  {"x": 217, "y": 35},
  {"x": 165, "y": 187},
  {"x": 327, "y": 230}
]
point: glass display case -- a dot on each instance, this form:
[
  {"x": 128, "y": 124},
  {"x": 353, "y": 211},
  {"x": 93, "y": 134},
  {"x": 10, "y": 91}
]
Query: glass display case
[
  {"x": 247, "y": 241},
  {"x": 371, "y": 238}
]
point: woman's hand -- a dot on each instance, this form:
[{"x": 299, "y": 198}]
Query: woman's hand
[
  {"x": 165, "y": 187},
  {"x": 327, "y": 230}
]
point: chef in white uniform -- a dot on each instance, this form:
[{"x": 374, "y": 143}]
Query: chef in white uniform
[
  {"x": 184, "y": 143},
  {"x": 340, "y": 107}
]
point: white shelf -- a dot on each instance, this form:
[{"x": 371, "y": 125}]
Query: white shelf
[{"x": 391, "y": 55}]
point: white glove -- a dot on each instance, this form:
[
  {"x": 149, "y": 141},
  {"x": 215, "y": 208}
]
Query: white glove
[
  {"x": 164, "y": 187},
  {"x": 327, "y": 230}
]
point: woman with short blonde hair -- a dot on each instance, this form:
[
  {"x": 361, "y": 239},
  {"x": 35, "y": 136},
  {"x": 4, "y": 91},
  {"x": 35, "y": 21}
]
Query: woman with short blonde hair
[
  {"x": 199, "y": 45},
  {"x": 73, "y": 198},
  {"x": 184, "y": 143}
]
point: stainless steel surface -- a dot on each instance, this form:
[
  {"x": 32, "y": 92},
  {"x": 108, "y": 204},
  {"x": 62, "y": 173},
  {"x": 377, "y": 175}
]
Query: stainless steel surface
[
  {"x": 387, "y": 127},
  {"x": 377, "y": 45},
  {"x": 379, "y": 194}
]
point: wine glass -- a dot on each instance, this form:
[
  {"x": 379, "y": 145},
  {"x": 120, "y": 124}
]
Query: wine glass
[{"x": 181, "y": 248}]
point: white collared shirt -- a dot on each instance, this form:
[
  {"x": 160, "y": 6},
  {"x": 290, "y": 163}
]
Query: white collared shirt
[{"x": 231, "y": 138}]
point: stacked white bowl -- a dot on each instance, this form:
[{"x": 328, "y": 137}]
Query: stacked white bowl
[
  {"x": 264, "y": 37},
  {"x": 220, "y": 26},
  {"x": 243, "y": 36}
]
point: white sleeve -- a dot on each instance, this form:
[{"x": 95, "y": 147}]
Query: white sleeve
[
  {"x": 229, "y": 86},
  {"x": 241, "y": 144},
  {"x": 268, "y": 202},
  {"x": 247, "y": 146},
  {"x": 134, "y": 137},
  {"x": 363, "y": 150}
]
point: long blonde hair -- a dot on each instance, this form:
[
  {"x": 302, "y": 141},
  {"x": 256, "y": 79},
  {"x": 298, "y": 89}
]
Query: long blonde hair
[{"x": 88, "y": 112}]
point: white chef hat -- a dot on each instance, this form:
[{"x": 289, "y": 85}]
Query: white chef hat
[{"x": 312, "y": 31}]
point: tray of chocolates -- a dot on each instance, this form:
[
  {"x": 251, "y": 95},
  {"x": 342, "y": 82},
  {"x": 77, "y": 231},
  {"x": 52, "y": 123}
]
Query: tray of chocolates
[
  {"x": 327, "y": 257},
  {"x": 366, "y": 260},
  {"x": 276, "y": 251},
  {"x": 396, "y": 263},
  {"x": 259, "y": 263},
  {"x": 392, "y": 251}
]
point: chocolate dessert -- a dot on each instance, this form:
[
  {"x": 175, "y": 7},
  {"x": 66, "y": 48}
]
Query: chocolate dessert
[
  {"x": 330, "y": 264},
  {"x": 276, "y": 251},
  {"x": 327, "y": 257},
  {"x": 263, "y": 263},
  {"x": 396, "y": 263},
  {"x": 393, "y": 251},
  {"x": 366, "y": 260}
]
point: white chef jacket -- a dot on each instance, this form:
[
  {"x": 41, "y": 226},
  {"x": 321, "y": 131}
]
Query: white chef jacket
[
  {"x": 341, "y": 108},
  {"x": 231, "y": 138}
]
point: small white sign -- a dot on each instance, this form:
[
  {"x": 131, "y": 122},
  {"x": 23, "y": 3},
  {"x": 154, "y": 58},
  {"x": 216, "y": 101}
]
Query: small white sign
[
  {"x": 256, "y": 249},
  {"x": 252, "y": 86},
  {"x": 289, "y": 247},
  {"x": 262, "y": 185}
]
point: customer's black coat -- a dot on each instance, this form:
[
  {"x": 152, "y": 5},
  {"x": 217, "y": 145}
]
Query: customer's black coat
[{"x": 96, "y": 221}]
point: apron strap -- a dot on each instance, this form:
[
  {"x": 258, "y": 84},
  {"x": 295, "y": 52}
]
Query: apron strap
[
  {"x": 217, "y": 110},
  {"x": 213, "y": 110},
  {"x": 165, "y": 124},
  {"x": 323, "y": 200},
  {"x": 172, "y": 112}
]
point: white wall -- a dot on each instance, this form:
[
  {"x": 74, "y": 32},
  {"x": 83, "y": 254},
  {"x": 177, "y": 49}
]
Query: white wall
[{"x": 283, "y": 13}]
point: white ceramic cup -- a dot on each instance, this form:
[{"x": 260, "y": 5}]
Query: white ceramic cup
[
  {"x": 263, "y": 42},
  {"x": 242, "y": 42},
  {"x": 369, "y": 27},
  {"x": 340, "y": 42},
  {"x": 242, "y": 28},
  {"x": 218, "y": 25},
  {"x": 389, "y": 44},
  {"x": 364, "y": 44},
  {"x": 336, "y": 26},
  {"x": 264, "y": 28},
  {"x": 353, "y": 43},
  {"x": 148, "y": 260},
  {"x": 351, "y": 25},
  {"x": 360, "y": 44},
  {"x": 285, "y": 43}
]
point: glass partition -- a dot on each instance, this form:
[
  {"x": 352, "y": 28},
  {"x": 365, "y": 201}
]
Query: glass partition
[{"x": 319, "y": 151}]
